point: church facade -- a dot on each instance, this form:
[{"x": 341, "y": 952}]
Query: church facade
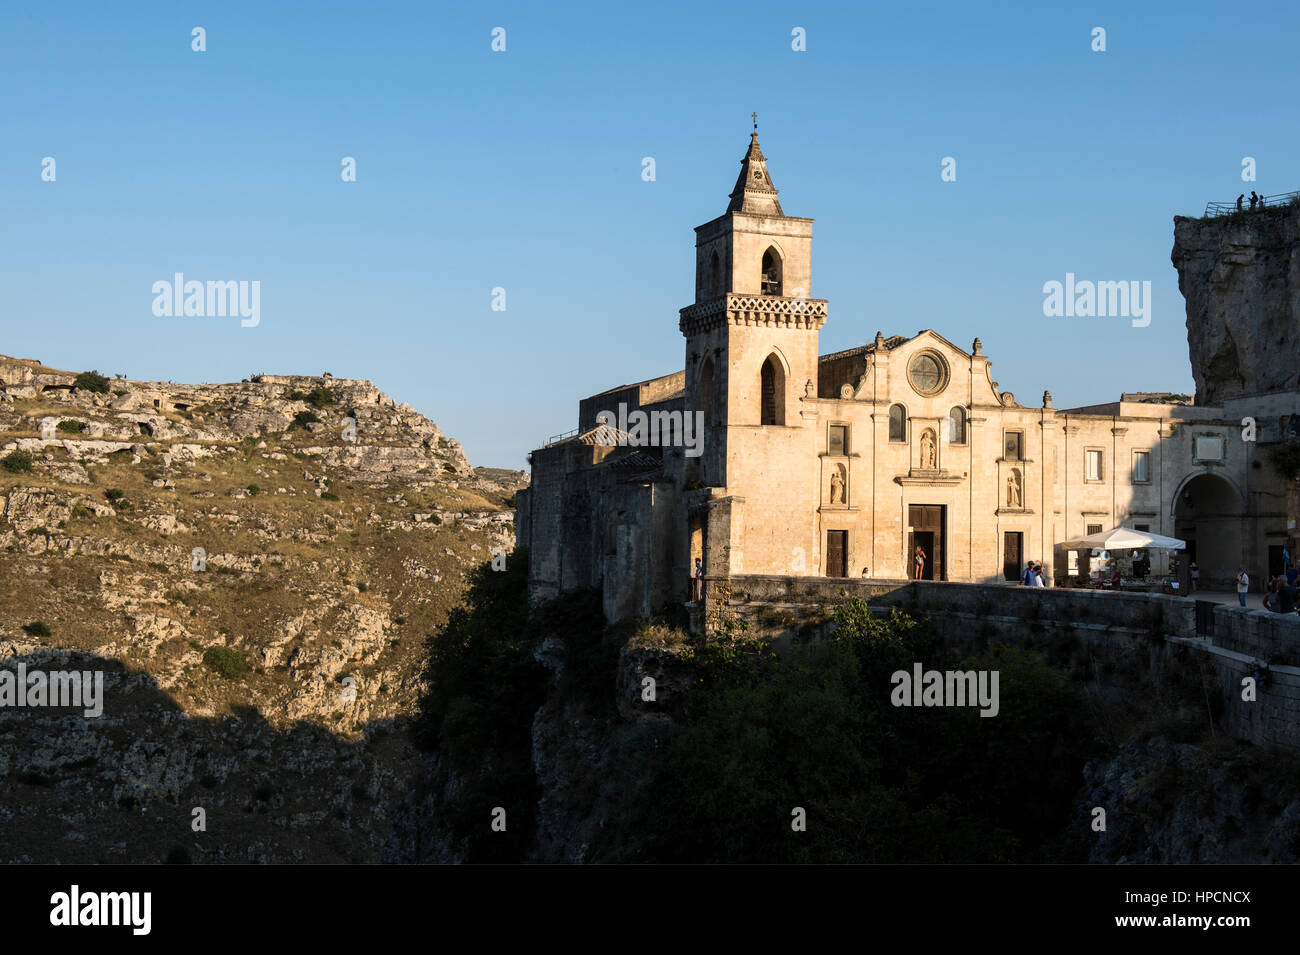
[{"x": 856, "y": 462}]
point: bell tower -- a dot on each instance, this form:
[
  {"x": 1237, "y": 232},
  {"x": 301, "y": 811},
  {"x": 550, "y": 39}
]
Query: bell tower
[{"x": 751, "y": 334}]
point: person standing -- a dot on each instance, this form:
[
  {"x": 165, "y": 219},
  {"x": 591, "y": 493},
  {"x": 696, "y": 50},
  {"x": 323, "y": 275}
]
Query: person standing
[
  {"x": 918, "y": 563},
  {"x": 1239, "y": 198},
  {"x": 697, "y": 582},
  {"x": 1243, "y": 585},
  {"x": 1254, "y": 199},
  {"x": 1196, "y": 576}
]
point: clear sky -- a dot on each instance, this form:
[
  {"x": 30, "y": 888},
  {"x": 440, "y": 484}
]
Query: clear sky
[{"x": 523, "y": 170}]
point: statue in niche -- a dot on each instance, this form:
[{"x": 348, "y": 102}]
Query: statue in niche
[
  {"x": 929, "y": 462},
  {"x": 1013, "y": 488},
  {"x": 837, "y": 486}
]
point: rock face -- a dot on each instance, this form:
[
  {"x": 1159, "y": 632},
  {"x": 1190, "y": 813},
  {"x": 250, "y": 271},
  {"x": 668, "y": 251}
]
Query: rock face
[
  {"x": 256, "y": 592},
  {"x": 1168, "y": 802},
  {"x": 1240, "y": 275}
]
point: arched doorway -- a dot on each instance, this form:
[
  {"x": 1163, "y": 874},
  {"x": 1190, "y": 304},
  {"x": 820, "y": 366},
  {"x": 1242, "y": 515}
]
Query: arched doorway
[{"x": 1208, "y": 516}]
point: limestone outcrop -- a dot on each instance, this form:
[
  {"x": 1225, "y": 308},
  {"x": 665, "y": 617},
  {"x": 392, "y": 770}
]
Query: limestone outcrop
[{"x": 1240, "y": 276}]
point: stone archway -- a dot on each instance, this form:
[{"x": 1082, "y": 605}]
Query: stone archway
[{"x": 1208, "y": 516}]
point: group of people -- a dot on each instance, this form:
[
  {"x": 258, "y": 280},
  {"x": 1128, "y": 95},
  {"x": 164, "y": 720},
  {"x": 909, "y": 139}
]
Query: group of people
[
  {"x": 1281, "y": 594},
  {"x": 1280, "y": 597},
  {"x": 1033, "y": 575},
  {"x": 1254, "y": 201}
]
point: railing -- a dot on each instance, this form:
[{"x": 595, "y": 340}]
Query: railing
[
  {"x": 559, "y": 437},
  {"x": 1213, "y": 209}
]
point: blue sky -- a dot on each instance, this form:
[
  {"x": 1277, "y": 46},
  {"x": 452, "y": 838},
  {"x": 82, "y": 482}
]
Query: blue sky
[{"x": 522, "y": 170}]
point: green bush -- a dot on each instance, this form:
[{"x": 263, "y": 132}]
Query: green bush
[
  {"x": 92, "y": 381},
  {"x": 254, "y": 490},
  {"x": 817, "y": 729},
  {"x": 328, "y": 496},
  {"x": 483, "y": 687},
  {"x": 114, "y": 494},
  {"x": 320, "y": 397},
  {"x": 71, "y": 427},
  {"x": 228, "y": 663},
  {"x": 37, "y": 628},
  {"x": 304, "y": 418},
  {"x": 17, "y": 462}
]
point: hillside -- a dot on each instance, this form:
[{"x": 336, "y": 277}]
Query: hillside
[{"x": 255, "y": 575}]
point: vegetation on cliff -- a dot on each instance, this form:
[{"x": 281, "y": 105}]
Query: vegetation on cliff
[{"x": 753, "y": 736}]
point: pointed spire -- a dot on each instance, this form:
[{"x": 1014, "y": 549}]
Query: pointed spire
[{"x": 754, "y": 192}]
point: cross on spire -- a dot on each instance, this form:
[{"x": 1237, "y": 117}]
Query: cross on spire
[{"x": 755, "y": 116}]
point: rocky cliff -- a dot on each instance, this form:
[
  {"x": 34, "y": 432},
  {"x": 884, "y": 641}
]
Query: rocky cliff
[
  {"x": 254, "y": 567},
  {"x": 1240, "y": 276}
]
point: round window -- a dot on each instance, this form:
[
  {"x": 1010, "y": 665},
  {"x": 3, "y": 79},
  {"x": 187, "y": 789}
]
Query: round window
[{"x": 927, "y": 373}]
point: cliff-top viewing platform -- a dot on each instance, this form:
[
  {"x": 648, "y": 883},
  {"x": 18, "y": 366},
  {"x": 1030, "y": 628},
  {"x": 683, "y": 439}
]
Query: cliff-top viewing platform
[{"x": 1215, "y": 209}]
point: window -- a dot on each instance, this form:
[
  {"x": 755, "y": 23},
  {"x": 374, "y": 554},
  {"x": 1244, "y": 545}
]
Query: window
[
  {"x": 771, "y": 284},
  {"x": 1092, "y": 465},
  {"x": 1014, "y": 446},
  {"x": 957, "y": 426},
  {"x": 927, "y": 373},
  {"x": 773, "y": 392},
  {"x": 1093, "y": 529},
  {"x": 838, "y": 442},
  {"x": 706, "y": 391},
  {"x": 1141, "y": 467},
  {"x": 897, "y": 423}
]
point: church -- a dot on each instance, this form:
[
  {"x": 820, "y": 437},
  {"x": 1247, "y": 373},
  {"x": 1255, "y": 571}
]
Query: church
[{"x": 895, "y": 459}]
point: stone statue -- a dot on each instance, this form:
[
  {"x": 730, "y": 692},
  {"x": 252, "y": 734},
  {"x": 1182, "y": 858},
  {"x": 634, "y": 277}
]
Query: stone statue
[
  {"x": 928, "y": 460},
  {"x": 837, "y": 488},
  {"x": 1013, "y": 489},
  {"x": 808, "y": 391}
]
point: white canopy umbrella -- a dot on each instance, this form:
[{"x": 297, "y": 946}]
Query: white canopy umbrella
[{"x": 1123, "y": 538}]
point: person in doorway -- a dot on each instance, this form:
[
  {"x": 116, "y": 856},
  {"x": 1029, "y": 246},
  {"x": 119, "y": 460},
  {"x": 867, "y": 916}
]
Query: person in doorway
[
  {"x": 1243, "y": 585},
  {"x": 918, "y": 563},
  {"x": 697, "y": 581}
]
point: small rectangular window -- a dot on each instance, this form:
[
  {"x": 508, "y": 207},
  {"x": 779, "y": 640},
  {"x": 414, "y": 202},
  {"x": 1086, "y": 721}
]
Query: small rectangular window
[
  {"x": 1209, "y": 449},
  {"x": 1093, "y": 529},
  {"x": 839, "y": 439},
  {"x": 1015, "y": 446},
  {"x": 1141, "y": 467},
  {"x": 1092, "y": 466}
]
